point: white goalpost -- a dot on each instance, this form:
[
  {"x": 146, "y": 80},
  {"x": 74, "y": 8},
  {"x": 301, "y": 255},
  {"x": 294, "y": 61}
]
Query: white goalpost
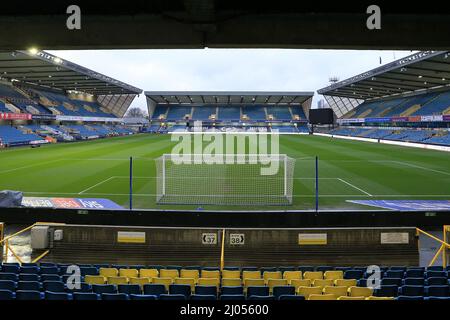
[{"x": 228, "y": 179}]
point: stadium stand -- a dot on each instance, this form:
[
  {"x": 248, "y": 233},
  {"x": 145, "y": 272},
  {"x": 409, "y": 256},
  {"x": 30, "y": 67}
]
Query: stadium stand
[
  {"x": 12, "y": 136},
  {"x": 100, "y": 282}
]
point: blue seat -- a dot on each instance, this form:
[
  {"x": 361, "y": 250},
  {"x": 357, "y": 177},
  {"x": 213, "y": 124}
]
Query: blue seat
[
  {"x": 92, "y": 271},
  {"x": 437, "y": 291},
  {"x": 203, "y": 297},
  {"x": 232, "y": 290},
  {"x": 48, "y": 264},
  {"x": 8, "y": 285},
  {"x": 49, "y": 270},
  {"x": 353, "y": 274},
  {"x": 261, "y": 298},
  {"x": 291, "y": 297},
  {"x": 54, "y": 286},
  {"x": 136, "y": 266},
  {"x": 248, "y": 268},
  {"x": 104, "y": 288},
  {"x": 10, "y": 268},
  {"x": 30, "y": 269},
  {"x": 85, "y": 296},
  {"x": 6, "y": 295},
  {"x": 413, "y": 281},
  {"x": 394, "y": 274},
  {"x": 29, "y": 285},
  {"x": 436, "y": 281},
  {"x": 29, "y": 264},
  {"x": 154, "y": 289},
  {"x": 257, "y": 291},
  {"x": 120, "y": 266},
  {"x": 305, "y": 268},
  {"x": 441, "y": 274},
  {"x": 343, "y": 269},
  {"x": 437, "y": 298},
  {"x": 143, "y": 297},
  {"x": 414, "y": 273},
  {"x": 231, "y": 268},
  {"x": 324, "y": 268},
  {"x": 51, "y": 277},
  {"x": 84, "y": 287},
  {"x": 398, "y": 268},
  {"x": 435, "y": 268},
  {"x": 183, "y": 289},
  {"x": 57, "y": 296},
  {"x": 129, "y": 288},
  {"x": 173, "y": 267},
  {"x": 28, "y": 295},
  {"x": 28, "y": 277},
  {"x": 391, "y": 282},
  {"x": 413, "y": 291},
  {"x": 155, "y": 266},
  {"x": 211, "y": 269},
  {"x": 284, "y": 269},
  {"x": 172, "y": 297},
  {"x": 362, "y": 283},
  {"x": 232, "y": 297},
  {"x": 9, "y": 276},
  {"x": 114, "y": 296},
  {"x": 192, "y": 268},
  {"x": 410, "y": 298},
  {"x": 386, "y": 291},
  {"x": 101, "y": 265},
  {"x": 283, "y": 291},
  {"x": 206, "y": 290},
  {"x": 268, "y": 269}
]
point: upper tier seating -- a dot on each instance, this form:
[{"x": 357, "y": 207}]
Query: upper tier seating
[
  {"x": 203, "y": 113},
  {"x": 178, "y": 113},
  {"x": 254, "y": 112}
]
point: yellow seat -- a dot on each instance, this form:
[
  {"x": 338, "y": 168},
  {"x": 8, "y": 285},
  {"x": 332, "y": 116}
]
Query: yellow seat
[
  {"x": 290, "y": 275},
  {"x": 211, "y": 274},
  {"x": 300, "y": 283},
  {"x": 346, "y": 282},
  {"x": 322, "y": 283},
  {"x": 307, "y": 291},
  {"x": 108, "y": 272},
  {"x": 148, "y": 273},
  {"x": 169, "y": 273},
  {"x": 165, "y": 281},
  {"x": 322, "y": 297},
  {"x": 231, "y": 282},
  {"x": 313, "y": 275},
  {"x": 337, "y": 291},
  {"x": 189, "y": 281},
  {"x": 94, "y": 279},
  {"x": 192, "y": 274},
  {"x": 350, "y": 298},
  {"x": 208, "y": 282},
  {"x": 129, "y": 273},
  {"x": 253, "y": 282},
  {"x": 272, "y": 275},
  {"x": 231, "y": 274},
  {"x": 117, "y": 280},
  {"x": 251, "y": 275},
  {"x": 333, "y": 275},
  {"x": 276, "y": 283},
  {"x": 360, "y": 292},
  {"x": 140, "y": 281},
  {"x": 379, "y": 298}
]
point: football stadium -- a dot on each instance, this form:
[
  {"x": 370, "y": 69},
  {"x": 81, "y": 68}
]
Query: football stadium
[{"x": 224, "y": 195}]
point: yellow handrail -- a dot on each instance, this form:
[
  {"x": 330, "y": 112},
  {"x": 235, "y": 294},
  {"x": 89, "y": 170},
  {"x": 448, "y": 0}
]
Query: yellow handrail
[
  {"x": 222, "y": 252},
  {"x": 442, "y": 248},
  {"x": 17, "y": 233},
  {"x": 41, "y": 256}
]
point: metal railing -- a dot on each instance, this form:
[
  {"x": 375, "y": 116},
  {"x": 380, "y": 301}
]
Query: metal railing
[{"x": 442, "y": 249}]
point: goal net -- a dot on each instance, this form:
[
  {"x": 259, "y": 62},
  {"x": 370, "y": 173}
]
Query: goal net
[{"x": 229, "y": 179}]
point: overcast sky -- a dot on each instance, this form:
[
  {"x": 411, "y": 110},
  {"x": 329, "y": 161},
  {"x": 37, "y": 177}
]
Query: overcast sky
[{"x": 229, "y": 69}]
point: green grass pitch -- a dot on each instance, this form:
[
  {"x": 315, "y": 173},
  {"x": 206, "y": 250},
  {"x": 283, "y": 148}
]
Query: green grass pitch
[{"x": 348, "y": 170}]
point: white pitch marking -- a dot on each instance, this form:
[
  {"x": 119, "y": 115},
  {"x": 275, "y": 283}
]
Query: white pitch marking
[
  {"x": 106, "y": 180},
  {"x": 30, "y": 166},
  {"x": 351, "y": 185},
  {"x": 420, "y": 167}
]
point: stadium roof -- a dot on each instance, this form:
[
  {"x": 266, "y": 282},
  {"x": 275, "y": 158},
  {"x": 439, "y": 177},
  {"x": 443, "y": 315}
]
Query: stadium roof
[
  {"x": 228, "y": 97},
  {"x": 44, "y": 69},
  {"x": 223, "y": 23},
  {"x": 414, "y": 74}
]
